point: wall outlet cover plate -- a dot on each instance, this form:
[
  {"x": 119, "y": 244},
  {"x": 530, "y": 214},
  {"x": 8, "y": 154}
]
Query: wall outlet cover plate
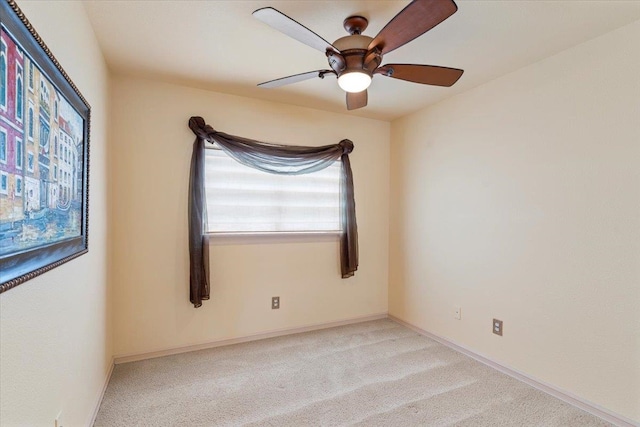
[{"x": 497, "y": 327}]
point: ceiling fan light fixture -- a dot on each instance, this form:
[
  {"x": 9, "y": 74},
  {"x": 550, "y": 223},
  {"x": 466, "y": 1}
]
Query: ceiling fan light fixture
[
  {"x": 354, "y": 81},
  {"x": 355, "y": 58}
]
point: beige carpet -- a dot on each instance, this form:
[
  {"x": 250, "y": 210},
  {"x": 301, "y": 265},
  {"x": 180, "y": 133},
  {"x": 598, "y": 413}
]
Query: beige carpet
[{"x": 376, "y": 373}]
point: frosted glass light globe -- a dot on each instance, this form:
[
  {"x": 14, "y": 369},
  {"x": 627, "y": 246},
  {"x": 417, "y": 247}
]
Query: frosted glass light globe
[{"x": 354, "y": 81}]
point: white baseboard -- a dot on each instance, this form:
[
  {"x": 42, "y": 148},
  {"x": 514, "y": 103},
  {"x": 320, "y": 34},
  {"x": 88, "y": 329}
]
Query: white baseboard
[
  {"x": 98, "y": 402},
  {"x": 554, "y": 391},
  {"x": 134, "y": 357}
]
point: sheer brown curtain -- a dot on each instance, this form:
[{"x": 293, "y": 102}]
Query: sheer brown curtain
[{"x": 272, "y": 158}]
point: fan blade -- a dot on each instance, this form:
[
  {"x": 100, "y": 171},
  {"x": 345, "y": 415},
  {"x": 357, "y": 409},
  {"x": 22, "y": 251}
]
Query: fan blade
[
  {"x": 425, "y": 74},
  {"x": 295, "y": 78},
  {"x": 356, "y": 100},
  {"x": 293, "y": 29},
  {"x": 414, "y": 20}
]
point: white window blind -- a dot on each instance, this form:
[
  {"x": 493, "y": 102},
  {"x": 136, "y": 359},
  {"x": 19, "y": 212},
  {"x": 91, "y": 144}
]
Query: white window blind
[{"x": 242, "y": 199}]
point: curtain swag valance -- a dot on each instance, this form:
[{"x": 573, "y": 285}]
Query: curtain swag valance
[{"x": 271, "y": 158}]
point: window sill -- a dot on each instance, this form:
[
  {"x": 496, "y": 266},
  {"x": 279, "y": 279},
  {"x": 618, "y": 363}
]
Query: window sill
[{"x": 273, "y": 237}]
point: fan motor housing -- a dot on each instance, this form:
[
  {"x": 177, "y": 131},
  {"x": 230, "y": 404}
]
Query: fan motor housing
[
  {"x": 353, "y": 50},
  {"x": 356, "y": 41}
]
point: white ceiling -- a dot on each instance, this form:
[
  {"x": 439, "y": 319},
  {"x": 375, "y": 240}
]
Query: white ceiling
[{"x": 218, "y": 45}]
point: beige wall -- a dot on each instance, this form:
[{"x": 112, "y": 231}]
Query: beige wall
[
  {"x": 150, "y": 151},
  {"x": 55, "y": 343},
  {"x": 520, "y": 200}
]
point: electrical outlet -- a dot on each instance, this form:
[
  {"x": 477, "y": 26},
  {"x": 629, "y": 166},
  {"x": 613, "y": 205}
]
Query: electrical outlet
[
  {"x": 497, "y": 327},
  {"x": 275, "y": 303},
  {"x": 457, "y": 312}
]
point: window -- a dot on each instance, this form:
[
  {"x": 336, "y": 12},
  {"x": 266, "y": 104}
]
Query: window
[
  {"x": 3, "y": 74},
  {"x": 44, "y": 135},
  {"x": 19, "y": 148},
  {"x": 19, "y": 93},
  {"x": 55, "y": 146},
  {"x": 44, "y": 95},
  {"x": 18, "y": 186},
  {"x": 30, "y": 122},
  {"x": 3, "y": 146},
  {"x": 4, "y": 183},
  {"x": 31, "y": 76},
  {"x": 242, "y": 199},
  {"x": 30, "y": 160},
  {"x": 55, "y": 172}
]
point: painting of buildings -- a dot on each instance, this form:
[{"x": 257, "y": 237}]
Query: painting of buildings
[{"x": 41, "y": 146}]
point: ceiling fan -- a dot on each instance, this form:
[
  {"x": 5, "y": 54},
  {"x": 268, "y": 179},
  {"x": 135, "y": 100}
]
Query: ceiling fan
[{"x": 356, "y": 58}]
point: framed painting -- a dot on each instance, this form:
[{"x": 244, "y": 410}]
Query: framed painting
[{"x": 44, "y": 156}]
